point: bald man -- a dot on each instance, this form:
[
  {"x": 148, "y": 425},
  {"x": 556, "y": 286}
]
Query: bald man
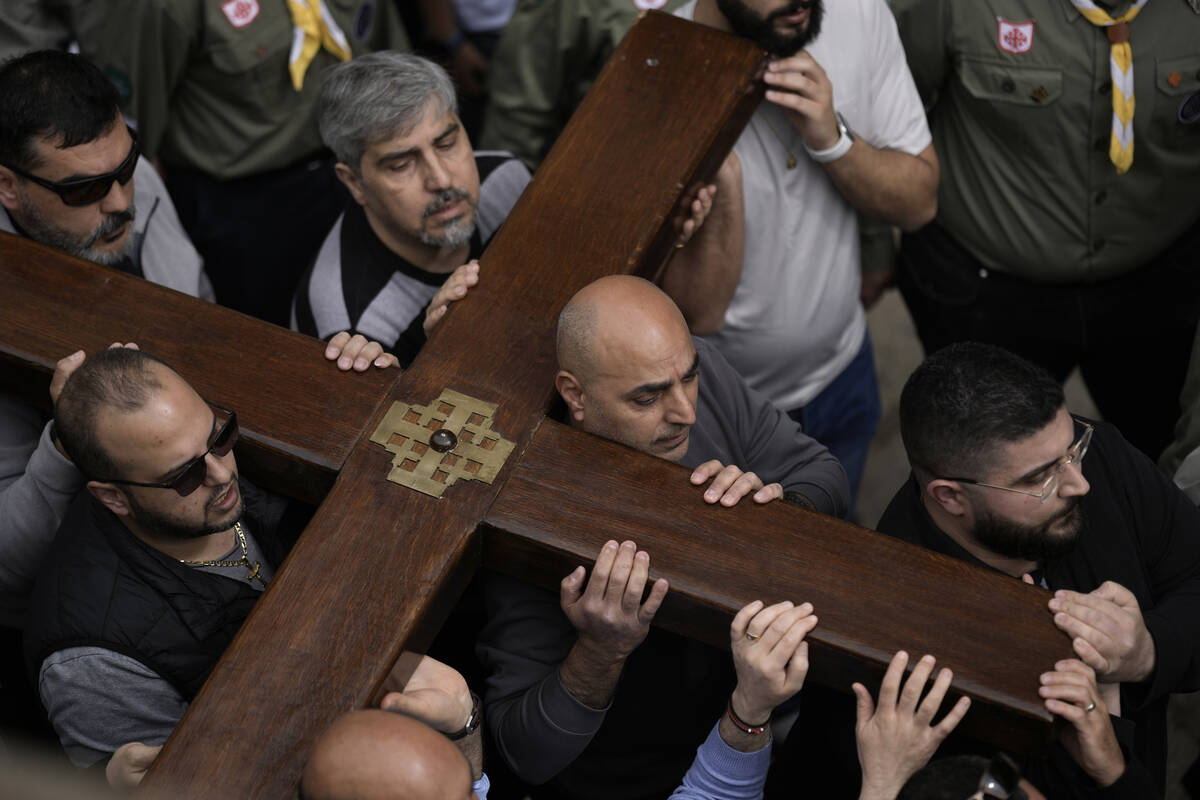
[
  {"x": 378, "y": 755},
  {"x": 631, "y": 372}
]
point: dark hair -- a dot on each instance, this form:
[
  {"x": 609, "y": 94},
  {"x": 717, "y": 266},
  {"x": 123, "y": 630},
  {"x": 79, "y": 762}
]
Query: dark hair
[
  {"x": 953, "y": 778},
  {"x": 53, "y": 94},
  {"x": 120, "y": 378},
  {"x": 966, "y": 398}
]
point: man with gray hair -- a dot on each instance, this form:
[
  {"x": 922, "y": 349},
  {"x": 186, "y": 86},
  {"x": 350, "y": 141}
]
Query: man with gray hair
[{"x": 424, "y": 203}]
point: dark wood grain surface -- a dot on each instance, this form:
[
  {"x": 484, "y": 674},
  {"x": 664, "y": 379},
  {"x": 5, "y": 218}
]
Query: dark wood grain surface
[
  {"x": 873, "y": 594},
  {"x": 377, "y": 558},
  {"x": 299, "y": 416}
]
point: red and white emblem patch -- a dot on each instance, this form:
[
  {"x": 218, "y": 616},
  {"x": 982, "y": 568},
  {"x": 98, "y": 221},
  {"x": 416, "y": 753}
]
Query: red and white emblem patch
[
  {"x": 649, "y": 5},
  {"x": 1014, "y": 37},
  {"x": 240, "y": 13}
]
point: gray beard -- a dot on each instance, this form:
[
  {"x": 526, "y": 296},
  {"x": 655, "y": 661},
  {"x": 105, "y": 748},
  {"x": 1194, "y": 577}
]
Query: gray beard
[
  {"x": 42, "y": 229},
  {"x": 457, "y": 233}
]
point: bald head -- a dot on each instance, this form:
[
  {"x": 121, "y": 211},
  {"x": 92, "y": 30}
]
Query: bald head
[
  {"x": 373, "y": 754},
  {"x": 618, "y": 313},
  {"x": 627, "y": 368}
]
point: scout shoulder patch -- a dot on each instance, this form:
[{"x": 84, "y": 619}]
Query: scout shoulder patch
[
  {"x": 240, "y": 13},
  {"x": 1014, "y": 37}
]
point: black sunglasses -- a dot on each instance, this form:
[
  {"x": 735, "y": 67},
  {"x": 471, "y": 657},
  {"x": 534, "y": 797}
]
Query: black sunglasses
[
  {"x": 1001, "y": 781},
  {"x": 192, "y": 476},
  {"x": 85, "y": 191}
]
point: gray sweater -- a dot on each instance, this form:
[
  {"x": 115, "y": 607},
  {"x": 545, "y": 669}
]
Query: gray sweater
[
  {"x": 537, "y": 724},
  {"x": 37, "y": 484}
]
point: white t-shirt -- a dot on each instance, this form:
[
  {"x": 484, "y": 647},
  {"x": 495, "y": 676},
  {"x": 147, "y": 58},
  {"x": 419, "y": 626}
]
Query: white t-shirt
[
  {"x": 483, "y": 15},
  {"x": 795, "y": 321}
]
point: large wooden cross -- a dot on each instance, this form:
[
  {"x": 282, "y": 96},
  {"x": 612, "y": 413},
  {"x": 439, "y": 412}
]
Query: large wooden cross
[{"x": 380, "y": 566}]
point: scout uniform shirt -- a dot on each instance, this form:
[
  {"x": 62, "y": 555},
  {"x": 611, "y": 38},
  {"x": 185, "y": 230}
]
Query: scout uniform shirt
[
  {"x": 547, "y": 59},
  {"x": 1019, "y": 99},
  {"x": 207, "y": 80}
]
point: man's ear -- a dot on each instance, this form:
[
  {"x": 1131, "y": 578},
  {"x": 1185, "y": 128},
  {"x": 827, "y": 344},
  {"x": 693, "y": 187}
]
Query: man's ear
[
  {"x": 949, "y": 495},
  {"x": 351, "y": 181},
  {"x": 113, "y": 498},
  {"x": 8, "y": 189},
  {"x": 572, "y": 393}
]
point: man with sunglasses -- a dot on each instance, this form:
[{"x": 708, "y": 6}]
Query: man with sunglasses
[
  {"x": 71, "y": 176},
  {"x": 155, "y": 566},
  {"x": 1004, "y": 477}
]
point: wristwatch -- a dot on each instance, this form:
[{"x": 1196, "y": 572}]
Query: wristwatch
[
  {"x": 472, "y": 721},
  {"x": 840, "y": 147}
]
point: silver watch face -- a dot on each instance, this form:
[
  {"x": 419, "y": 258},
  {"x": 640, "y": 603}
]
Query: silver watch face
[{"x": 843, "y": 128}]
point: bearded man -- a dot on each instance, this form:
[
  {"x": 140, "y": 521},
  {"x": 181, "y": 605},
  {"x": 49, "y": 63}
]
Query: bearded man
[
  {"x": 1004, "y": 477},
  {"x": 72, "y": 176},
  {"x": 155, "y": 566},
  {"x": 424, "y": 203},
  {"x": 774, "y": 280}
]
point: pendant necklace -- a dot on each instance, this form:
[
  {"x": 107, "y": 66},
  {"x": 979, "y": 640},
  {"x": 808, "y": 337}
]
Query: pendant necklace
[{"x": 244, "y": 561}]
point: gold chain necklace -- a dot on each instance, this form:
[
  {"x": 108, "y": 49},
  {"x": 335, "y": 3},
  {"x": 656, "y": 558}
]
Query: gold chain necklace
[
  {"x": 791, "y": 159},
  {"x": 244, "y": 561}
]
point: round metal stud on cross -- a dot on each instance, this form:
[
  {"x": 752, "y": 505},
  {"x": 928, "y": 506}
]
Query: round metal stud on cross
[{"x": 442, "y": 440}]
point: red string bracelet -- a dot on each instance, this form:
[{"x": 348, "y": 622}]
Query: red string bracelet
[{"x": 753, "y": 730}]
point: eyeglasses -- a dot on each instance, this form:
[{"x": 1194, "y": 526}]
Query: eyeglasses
[
  {"x": 93, "y": 189},
  {"x": 1001, "y": 781},
  {"x": 1074, "y": 455},
  {"x": 193, "y": 474}
]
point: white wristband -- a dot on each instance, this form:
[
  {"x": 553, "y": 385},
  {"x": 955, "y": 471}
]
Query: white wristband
[{"x": 840, "y": 147}]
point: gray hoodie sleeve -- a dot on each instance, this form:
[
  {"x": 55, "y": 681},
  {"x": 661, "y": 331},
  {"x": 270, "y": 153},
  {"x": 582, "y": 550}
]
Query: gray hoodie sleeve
[
  {"x": 98, "y": 700},
  {"x": 536, "y": 723},
  {"x": 37, "y": 483},
  {"x": 737, "y": 425}
]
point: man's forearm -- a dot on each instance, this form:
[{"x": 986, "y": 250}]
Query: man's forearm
[
  {"x": 591, "y": 674},
  {"x": 703, "y": 275},
  {"x": 472, "y": 747},
  {"x": 895, "y": 187}
]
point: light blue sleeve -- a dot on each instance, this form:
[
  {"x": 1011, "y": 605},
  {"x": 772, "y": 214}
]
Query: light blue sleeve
[{"x": 722, "y": 773}]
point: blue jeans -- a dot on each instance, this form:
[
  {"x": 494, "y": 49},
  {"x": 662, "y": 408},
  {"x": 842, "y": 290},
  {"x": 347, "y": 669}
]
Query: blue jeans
[{"x": 844, "y": 416}]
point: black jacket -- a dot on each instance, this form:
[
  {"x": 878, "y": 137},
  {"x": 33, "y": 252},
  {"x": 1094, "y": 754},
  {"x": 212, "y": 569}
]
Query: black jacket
[
  {"x": 1139, "y": 531},
  {"x": 103, "y": 587}
]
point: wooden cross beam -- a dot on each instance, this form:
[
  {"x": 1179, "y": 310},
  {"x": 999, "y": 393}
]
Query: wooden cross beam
[{"x": 380, "y": 566}]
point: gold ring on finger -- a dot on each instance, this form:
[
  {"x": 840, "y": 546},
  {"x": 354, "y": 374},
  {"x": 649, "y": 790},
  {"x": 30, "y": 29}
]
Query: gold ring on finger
[
  {"x": 1091, "y": 707},
  {"x": 753, "y": 637}
]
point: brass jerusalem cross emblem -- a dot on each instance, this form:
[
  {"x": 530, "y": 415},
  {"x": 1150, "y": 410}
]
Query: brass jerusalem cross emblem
[{"x": 435, "y": 445}]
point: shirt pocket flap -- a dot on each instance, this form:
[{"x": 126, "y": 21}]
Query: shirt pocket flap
[
  {"x": 1007, "y": 83},
  {"x": 1178, "y": 76}
]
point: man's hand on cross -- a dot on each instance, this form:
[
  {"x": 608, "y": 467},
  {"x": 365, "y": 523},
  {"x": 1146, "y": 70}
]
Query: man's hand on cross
[
  {"x": 1107, "y": 632},
  {"x": 693, "y": 211},
  {"x": 610, "y": 618},
  {"x": 898, "y": 736},
  {"x": 128, "y": 765},
  {"x": 730, "y": 484},
  {"x": 358, "y": 353},
  {"x": 1071, "y": 692},
  {"x": 770, "y": 656},
  {"x": 455, "y": 288},
  {"x": 435, "y": 693},
  {"x": 800, "y": 86}
]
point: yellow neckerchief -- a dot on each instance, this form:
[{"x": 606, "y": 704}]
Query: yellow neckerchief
[
  {"x": 1120, "y": 147},
  {"x": 314, "y": 28}
]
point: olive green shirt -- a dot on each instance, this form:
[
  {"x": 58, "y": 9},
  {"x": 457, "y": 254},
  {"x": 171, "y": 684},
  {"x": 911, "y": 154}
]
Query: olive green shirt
[
  {"x": 217, "y": 96},
  {"x": 546, "y": 60},
  {"x": 1027, "y": 185},
  {"x": 46, "y": 24}
]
